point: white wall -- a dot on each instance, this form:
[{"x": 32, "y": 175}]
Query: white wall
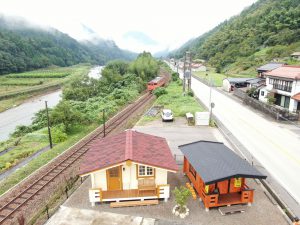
[
  {"x": 129, "y": 178},
  {"x": 100, "y": 180},
  {"x": 263, "y": 93},
  {"x": 161, "y": 176},
  {"x": 226, "y": 85}
]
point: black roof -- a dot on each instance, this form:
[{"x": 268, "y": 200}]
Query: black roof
[
  {"x": 214, "y": 162},
  {"x": 270, "y": 66}
]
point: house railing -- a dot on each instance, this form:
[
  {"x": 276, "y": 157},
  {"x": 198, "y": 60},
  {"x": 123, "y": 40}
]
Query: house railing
[
  {"x": 212, "y": 200},
  {"x": 209, "y": 200},
  {"x": 95, "y": 195},
  {"x": 282, "y": 87},
  {"x": 247, "y": 194},
  {"x": 163, "y": 191}
]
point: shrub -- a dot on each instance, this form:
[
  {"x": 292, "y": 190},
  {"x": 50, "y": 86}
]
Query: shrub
[
  {"x": 175, "y": 76},
  {"x": 21, "y": 130},
  {"x": 271, "y": 100},
  {"x": 59, "y": 134},
  {"x": 181, "y": 196},
  {"x": 191, "y": 93},
  {"x": 159, "y": 91}
]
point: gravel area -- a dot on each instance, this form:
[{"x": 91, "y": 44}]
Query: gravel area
[{"x": 263, "y": 211}]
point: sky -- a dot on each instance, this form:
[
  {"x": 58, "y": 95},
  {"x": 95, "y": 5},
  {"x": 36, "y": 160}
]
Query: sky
[{"x": 135, "y": 25}]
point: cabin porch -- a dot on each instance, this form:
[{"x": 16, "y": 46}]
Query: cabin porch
[
  {"x": 98, "y": 195},
  {"x": 245, "y": 196}
]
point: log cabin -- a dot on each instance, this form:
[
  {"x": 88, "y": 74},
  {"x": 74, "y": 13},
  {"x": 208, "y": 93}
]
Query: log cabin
[
  {"x": 128, "y": 166},
  {"x": 218, "y": 174}
]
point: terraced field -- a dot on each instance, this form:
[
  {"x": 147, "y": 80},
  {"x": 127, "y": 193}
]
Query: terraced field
[{"x": 17, "y": 87}]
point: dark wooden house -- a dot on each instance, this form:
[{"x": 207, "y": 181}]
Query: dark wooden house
[{"x": 218, "y": 174}]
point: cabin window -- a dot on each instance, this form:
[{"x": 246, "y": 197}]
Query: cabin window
[
  {"x": 262, "y": 93},
  {"x": 192, "y": 171},
  {"x": 145, "y": 171}
]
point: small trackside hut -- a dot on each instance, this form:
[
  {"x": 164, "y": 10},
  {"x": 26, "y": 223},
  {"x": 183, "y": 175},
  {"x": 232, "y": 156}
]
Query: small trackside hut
[
  {"x": 128, "y": 166},
  {"x": 218, "y": 174}
]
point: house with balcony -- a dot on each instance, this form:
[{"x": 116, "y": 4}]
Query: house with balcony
[
  {"x": 283, "y": 84},
  {"x": 128, "y": 166},
  {"x": 218, "y": 175}
]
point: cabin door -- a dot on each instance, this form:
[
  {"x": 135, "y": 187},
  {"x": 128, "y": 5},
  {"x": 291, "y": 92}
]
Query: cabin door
[{"x": 114, "y": 178}]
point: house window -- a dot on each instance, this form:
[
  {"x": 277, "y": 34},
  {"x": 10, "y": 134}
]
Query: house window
[
  {"x": 145, "y": 171},
  {"x": 262, "y": 93},
  {"x": 192, "y": 171}
]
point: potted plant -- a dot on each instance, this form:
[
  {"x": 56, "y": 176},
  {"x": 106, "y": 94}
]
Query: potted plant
[{"x": 181, "y": 196}]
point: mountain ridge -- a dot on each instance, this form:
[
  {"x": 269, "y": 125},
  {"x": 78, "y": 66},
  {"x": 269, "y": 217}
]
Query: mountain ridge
[
  {"x": 26, "y": 46},
  {"x": 264, "y": 31}
]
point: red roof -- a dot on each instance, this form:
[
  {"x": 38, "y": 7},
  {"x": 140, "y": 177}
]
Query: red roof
[
  {"x": 291, "y": 72},
  {"x": 296, "y": 97},
  {"x": 128, "y": 145}
]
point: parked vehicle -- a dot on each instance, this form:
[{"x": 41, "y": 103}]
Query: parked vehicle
[
  {"x": 166, "y": 115},
  {"x": 157, "y": 82}
]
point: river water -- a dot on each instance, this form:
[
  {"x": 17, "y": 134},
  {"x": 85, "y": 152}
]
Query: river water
[{"x": 22, "y": 114}]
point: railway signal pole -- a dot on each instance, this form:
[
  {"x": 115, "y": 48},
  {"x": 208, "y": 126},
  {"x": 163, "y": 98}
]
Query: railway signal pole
[{"x": 48, "y": 123}]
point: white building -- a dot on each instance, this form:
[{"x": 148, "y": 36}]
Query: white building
[
  {"x": 128, "y": 166},
  {"x": 283, "y": 84}
]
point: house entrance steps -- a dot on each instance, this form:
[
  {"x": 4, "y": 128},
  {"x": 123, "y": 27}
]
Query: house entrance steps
[
  {"x": 232, "y": 209},
  {"x": 133, "y": 203},
  {"x": 189, "y": 186}
]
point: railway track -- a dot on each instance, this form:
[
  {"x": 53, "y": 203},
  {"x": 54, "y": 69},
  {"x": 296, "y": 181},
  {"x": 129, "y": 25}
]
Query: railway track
[{"x": 13, "y": 206}]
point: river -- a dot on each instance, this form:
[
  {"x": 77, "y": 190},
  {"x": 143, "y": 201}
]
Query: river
[{"x": 23, "y": 114}]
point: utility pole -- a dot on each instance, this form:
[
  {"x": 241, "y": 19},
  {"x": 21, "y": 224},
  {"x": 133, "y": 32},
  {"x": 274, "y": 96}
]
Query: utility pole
[
  {"x": 48, "y": 121},
  {"x": 187, "y": 71},
  {"x": 184, "y": 74},
  {"x": 103, "y": 122}
]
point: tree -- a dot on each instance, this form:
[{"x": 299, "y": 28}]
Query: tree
[{"x": 64, "y": 114}]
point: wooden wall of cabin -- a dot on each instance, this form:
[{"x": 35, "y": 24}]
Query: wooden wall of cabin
[
  {"x": 195, "y": 178},
  {"x": 225, "y": 188}
]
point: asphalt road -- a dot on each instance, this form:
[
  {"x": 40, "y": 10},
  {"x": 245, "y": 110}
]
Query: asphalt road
[{"x": 276, "y": 147}]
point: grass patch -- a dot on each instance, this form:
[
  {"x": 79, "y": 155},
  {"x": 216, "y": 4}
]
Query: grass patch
[
  {"x": 76, "y": 134},
  {"x": 26, "y": 146},
  {"x": 176, "y": 101},
  {"x": 217, "y": 78}
]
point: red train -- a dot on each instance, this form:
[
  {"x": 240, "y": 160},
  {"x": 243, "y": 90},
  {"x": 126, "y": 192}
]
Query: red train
[{"x": 157, "y": 82}]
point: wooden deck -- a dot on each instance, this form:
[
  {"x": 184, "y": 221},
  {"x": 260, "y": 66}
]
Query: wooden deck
[
  {"x": 230, "y": 199},
  {"x": 125, "y": 194}
]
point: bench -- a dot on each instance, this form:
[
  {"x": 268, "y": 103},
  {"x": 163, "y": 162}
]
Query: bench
[
  {"x": 232, "y": 209},
  {"x": 146, "y": 185},
  {"x": 133, "y": 203}
]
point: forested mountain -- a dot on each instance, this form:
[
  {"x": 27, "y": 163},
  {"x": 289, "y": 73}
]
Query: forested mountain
[
  {"x": 24, "y": 46},
  {"x": 267, "y": 30}
]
